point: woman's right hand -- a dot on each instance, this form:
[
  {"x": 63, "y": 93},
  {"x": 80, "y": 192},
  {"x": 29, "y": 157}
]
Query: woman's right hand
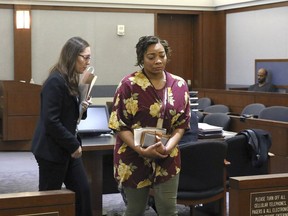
[
  {"x": 152, "y": 151},
  {"x": 77, "y": 153}
]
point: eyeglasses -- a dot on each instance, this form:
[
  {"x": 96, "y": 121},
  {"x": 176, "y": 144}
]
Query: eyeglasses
[{"x": 86, "y": 58}]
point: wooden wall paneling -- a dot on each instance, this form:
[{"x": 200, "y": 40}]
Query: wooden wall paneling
[
  {"x": 15, "y": 145},
  {"x": 21, "y": 127},
  {"x": 20, "y": 110},
  {"x": 22, "y": 49},
  {"x": 213, "y": 70},
  {"x": 220, "y": 43},
  {"x": 197, "y": 52},
  {"x": 272, "y": 99},
  {"x": 177, "y": 30},
  {"x": 237, "y": 100},
  {"x": 31, "y": 106},
  {"x": 278, "y": 164}
]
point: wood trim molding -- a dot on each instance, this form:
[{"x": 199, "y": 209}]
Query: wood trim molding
[{"x": 22, "y": 49}]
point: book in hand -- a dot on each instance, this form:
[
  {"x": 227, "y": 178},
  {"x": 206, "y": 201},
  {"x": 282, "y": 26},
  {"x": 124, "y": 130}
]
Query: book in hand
[
  {"x": 149, "y": 135},
  {"x": 87, "y": 81}
]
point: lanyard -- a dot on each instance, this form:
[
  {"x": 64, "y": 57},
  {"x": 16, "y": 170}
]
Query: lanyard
[{"x": 163, "y": 102}]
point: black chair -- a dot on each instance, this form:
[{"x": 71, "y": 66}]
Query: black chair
[
  {"x": 200, "y": 116},
  {"x": 276, "y": 113},
  {"x": 109, "y": 105},
  {"x": 253, "y": 110},
  {"x": 192, "y": 134},
  {"x": 203, "y": 103},
  {"x": 202, "y": 178},
  {"x": 217, "y": 108},
  {"x": 240, "y": 156},
  {"x": 218, "y": 119}
]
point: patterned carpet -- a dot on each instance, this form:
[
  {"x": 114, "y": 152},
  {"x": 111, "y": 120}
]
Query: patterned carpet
[{"x": 19, "y": 173}]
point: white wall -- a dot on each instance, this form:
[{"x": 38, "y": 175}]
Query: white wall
[
  {"x": 260, "y": 34},
  {"x": 6, "y": 45},
  {"x": 250, "y": 35},
  {"x": 152, "y": 4},
  {"x": 113, "y": 56}
]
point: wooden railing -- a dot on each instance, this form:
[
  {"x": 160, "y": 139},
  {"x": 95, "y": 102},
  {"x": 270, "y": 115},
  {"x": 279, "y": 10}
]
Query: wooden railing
[{"x": 50, "y": 203}]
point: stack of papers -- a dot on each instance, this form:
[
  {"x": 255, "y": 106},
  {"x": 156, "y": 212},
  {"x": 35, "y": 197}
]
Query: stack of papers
[
  {"x": 209, "y": 131},
  {"x": 86, "y": 84}
]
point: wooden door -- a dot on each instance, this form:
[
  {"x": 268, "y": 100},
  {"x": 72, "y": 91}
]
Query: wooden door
[{"x": 177, "y": 29}]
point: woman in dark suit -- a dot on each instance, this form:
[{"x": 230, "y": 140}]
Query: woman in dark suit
[{"x": 55, "y": 145}]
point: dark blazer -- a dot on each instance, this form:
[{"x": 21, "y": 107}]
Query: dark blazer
[
  {"x": 260, "y": 142},
  {"x": 55, "y": 135}
]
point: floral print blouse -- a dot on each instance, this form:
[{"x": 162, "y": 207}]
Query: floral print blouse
[{"x": 138, "y": 104}]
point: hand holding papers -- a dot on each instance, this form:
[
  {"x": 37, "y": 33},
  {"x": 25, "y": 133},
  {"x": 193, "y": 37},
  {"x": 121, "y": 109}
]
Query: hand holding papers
[
  {"x": 87, "y": 81},
  {"x": 86, "y": 84}
]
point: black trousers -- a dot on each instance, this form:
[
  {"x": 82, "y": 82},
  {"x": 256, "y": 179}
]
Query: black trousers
[{"x": 52, "y": 175}]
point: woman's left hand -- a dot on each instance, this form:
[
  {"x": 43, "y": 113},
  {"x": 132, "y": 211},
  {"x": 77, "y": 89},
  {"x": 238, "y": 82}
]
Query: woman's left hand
[{"x": 85, "y": 104}]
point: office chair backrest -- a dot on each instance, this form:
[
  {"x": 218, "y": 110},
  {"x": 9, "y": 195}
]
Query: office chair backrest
[
  {"x": 199, "y": 115},
  {"x": 203, "y": 103},
  {"x": 217, "y": 108},
  {"x": 253, "y": 109},
  {"x": 202, "y": 166},
  {"x": 218, "y": 119},
  {"x": 276, "y": 113},
  {"x": 192, "y": 134},
  {"x": 109, "y": 105},
  {"x": 239, "y": 154}
]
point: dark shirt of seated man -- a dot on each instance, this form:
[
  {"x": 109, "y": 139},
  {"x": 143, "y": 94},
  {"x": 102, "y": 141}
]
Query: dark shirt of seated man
[{"x": 262, "y": 85}]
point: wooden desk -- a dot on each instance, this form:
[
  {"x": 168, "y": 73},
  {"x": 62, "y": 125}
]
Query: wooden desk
[
  {"x": 93, "y": 150},
  {"x": 279, "y": 133}
]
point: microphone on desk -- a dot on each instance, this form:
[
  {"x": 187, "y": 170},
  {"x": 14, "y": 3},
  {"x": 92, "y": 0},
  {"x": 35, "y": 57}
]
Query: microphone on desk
[{"x": 245, "y": 116}]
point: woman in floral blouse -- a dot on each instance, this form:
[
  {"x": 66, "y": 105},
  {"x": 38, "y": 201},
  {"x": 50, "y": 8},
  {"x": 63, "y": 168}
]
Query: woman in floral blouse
[{"x": 150, "y": 97}]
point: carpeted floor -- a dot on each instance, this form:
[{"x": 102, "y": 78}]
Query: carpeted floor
[{"x": 19, "y": 173}]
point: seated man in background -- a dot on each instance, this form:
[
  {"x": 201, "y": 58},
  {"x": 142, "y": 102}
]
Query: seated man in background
[{"x": 262, "y": 85}]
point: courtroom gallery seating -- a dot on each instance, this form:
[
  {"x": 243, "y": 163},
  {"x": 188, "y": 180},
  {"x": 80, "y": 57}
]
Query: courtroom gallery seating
[
  {"x": 218, "y": 119},
  {"x": 202, "y": 178},
  {"x": 203, "y": 103},
  {"x": 217, "y": 108},
  {"x": 276, "y": 113},
  {"x": 253, "y": 109}
]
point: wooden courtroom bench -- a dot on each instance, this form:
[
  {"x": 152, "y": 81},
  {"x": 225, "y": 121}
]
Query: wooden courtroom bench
[
  {"x": 259, "y": 195},
  {"x": 19, "y": 113},
  {"x": 237, "y": 100},
  {"x": 48, "y": 203},
  {"x": 279, "y": 133}
]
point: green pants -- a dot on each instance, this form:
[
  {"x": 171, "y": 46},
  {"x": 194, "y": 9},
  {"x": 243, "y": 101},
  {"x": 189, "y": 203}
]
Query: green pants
[{"x": 165, "y": 196}]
